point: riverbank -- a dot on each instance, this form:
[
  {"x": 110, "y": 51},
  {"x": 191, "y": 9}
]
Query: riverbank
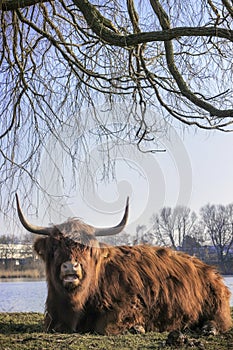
[
  {"x": 27, "y": 273},
  {"x": 30, "y": 273},
  {"x": 23, "y": 331}
]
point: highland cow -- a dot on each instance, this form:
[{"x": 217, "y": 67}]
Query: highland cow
[{"x": 97, "y": 288}]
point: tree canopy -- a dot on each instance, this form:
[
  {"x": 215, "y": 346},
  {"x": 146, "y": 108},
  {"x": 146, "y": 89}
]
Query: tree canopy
[{"x": 57, "y": 57}]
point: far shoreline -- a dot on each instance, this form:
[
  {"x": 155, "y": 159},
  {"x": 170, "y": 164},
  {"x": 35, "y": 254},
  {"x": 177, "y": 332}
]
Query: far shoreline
[
  {"x": 29, "y": 274},
  {"x": 37, "y": 275}
]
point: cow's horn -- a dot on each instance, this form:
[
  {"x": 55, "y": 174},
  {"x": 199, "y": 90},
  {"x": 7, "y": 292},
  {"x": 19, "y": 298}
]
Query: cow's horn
[
  {"x": 116, "y": 229},
  {"x": 31, "y": 228}
]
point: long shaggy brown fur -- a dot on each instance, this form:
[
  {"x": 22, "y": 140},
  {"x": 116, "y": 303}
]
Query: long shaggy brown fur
[{"x": 126, "y": 287}]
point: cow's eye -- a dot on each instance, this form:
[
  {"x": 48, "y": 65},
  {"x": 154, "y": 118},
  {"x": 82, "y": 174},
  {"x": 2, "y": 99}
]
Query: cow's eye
[{"x": 54, "y": 248}]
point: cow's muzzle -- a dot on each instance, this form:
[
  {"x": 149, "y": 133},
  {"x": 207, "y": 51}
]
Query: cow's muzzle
[{"x": 71, "y": 274}]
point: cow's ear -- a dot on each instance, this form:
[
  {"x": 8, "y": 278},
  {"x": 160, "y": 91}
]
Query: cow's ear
[{"x": 40, "y": 247}]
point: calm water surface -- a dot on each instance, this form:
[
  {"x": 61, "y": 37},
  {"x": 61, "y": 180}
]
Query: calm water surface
[{"x": 22, "y": 295}]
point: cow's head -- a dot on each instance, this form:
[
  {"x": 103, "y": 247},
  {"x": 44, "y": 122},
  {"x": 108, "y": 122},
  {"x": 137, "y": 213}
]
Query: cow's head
[{"x": 69, "y": 250}]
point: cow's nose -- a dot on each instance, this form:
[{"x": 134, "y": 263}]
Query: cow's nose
[{"x": 69, "y": 266}]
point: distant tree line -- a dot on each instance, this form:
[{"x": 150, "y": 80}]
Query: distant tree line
[{"x": 209, "y": 236}]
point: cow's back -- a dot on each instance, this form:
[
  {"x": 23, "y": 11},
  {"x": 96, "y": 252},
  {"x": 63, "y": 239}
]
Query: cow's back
[{"x": 159, "y": 289}]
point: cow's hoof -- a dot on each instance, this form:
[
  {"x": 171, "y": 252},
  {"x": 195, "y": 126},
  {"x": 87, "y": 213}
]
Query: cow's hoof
[
  {"x": 175, "y": 338},
  {"x": 209, "y": 329},
  {"x": 138, "y": 329}
]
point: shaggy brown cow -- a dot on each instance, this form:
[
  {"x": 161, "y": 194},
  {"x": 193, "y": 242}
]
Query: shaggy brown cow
[{"x": 93, "y": 287}]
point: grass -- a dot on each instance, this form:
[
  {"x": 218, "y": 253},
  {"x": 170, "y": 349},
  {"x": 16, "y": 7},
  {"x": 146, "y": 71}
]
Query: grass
[{"x": 25, "y": 331}]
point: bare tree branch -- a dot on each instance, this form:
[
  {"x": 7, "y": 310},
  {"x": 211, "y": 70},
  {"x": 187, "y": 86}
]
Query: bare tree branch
[
  {"x": 8, "y": 5},
  {"x": 58, "y": 57}
]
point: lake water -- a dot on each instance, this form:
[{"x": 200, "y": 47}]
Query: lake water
[{"x": 21, "y": 295}]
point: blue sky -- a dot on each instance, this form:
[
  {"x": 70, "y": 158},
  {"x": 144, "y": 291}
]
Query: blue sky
[
  {"x": 211, "y": 156},
  {"x": 196, "y": 169},
  {"x": 206, "y": 175}
]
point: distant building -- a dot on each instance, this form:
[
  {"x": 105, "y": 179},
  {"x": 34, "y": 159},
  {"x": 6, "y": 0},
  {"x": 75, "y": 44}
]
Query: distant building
[{"x": 16, "y": 254}]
